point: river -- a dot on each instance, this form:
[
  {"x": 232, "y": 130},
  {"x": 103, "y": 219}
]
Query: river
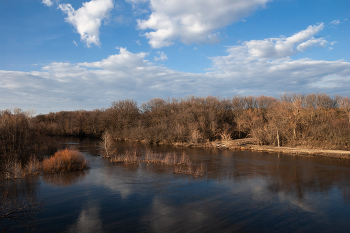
[{"x": 241, "y": 192}]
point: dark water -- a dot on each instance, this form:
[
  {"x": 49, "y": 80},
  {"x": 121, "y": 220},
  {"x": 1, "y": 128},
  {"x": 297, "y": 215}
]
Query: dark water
[{"x": 246, "y": 192}]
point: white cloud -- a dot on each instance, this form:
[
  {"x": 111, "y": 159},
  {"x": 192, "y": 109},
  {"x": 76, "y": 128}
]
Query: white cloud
[
  {"x": 335, "y": 22},
  {"x": 47, "y": 2},
  {"x": 284, "y": 47},
  {"x": 50, "y": 3},
  {"x": 309, "y": 43},
  {"x": 333, "y": 43},
  {"x": 87, "y": 19},
  {"x": 192, "y": 21},
  {"x": 74, "y": 42},
  {"x": 122, "y": 61},
  {"x": 138, "y": 6},
  {"x": 263, "y": 71},
  {"x": 126, "y": 75},
  {"x": 162, "y": 56}
]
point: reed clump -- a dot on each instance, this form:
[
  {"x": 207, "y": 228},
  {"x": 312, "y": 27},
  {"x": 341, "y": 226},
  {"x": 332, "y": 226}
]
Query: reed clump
[
  {"x": 182, "y": 163},
  {"x": 128, "y": 157},
  {"x": 11, "y": 169},
  {"x": 65, "y": 160},
  {"x": 33, "y": 166}
]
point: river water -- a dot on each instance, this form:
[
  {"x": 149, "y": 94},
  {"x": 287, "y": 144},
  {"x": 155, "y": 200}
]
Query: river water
[{"x": 243, "y": 192}]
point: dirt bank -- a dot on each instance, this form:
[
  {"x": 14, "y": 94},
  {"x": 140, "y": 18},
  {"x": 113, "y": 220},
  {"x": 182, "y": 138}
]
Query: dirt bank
[{"x": 250, "y": 144}]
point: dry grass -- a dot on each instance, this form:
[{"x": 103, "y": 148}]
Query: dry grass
[
  {"x": 226, "y": 139},
  {"x": 129, "y": 156},
  {"x": 151, "y": 157},
  {"x": 184, "y": 159},
  {"x": 33, "y": 166},
  {"x": 61, "y": 161},
  {"x": 65, "y": 160},
  {"x": 11, "y": 169},
  {"x": 182, "y": 164},
  {"x": 190, "y": 170}
]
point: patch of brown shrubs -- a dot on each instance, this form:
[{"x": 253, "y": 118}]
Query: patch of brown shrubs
[
  {"x": 182, "y": 164},
  {"x": 65, "y": 160}
]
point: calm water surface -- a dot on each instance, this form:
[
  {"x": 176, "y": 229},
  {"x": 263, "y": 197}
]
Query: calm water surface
[{"x": 246, "y": 192}]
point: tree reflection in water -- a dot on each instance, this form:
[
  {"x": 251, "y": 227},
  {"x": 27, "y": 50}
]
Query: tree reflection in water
[
  {"x": 65, "y": 179},
  {"x": 18, "y": 204},
  {"x": 294, "y": 175}
]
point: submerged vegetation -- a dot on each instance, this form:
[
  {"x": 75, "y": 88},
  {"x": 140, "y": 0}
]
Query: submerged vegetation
[{"x": 181, "y": 164}]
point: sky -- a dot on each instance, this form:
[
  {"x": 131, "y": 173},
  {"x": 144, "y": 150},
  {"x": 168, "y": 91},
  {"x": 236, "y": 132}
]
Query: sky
[{"x": 68, "y": 55}]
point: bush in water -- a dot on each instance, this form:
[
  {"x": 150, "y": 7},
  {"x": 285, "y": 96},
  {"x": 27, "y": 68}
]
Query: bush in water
[{"x": 65, "y": 160}]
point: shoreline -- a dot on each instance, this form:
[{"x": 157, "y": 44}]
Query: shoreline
[{"x": 247, "y": 144}]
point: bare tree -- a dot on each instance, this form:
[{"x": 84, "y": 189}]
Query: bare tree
[{"x": 344, "y": 103}]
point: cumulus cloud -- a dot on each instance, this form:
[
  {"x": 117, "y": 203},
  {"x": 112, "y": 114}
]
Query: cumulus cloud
[
  {"x": 266, "y": 65},
  {"x": 87, "y": 19},
  {"x": 122, "y": 61},
  {"x": 192, "y": 21},
  {"x": 162, "y": 56},
  {"x": 126, "y": 75},
  {"x": 312, "y": 42},
  {"x": 47, "y": 2},
  {"x": 285, "y": 46}
]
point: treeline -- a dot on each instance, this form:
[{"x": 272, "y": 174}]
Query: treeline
[
  {"x": 20, "y": 139},
  {"x": 313, "y": 120}
]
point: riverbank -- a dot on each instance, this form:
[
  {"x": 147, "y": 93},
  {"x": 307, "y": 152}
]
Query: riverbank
[{"x": 250, "y": 145}]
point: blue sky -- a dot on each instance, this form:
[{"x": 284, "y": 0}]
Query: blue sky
[{"x": 68, "y": 55}]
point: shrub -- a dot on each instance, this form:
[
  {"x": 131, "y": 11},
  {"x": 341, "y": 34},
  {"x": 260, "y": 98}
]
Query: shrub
[
  {"x": 65, "y": 160},
  {"x": 32, "y": 166}
]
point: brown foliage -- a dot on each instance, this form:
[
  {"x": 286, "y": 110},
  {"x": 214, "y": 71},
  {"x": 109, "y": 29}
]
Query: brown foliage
[
  {"x": 65, "y": 160},
  {"x": 181, "y": 164},
  {"x": 313, "y": 120}
]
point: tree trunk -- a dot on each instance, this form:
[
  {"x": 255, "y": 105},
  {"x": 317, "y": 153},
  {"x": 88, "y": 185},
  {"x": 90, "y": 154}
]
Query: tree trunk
[
  {"x": 294, "y": 133},
  {"x": 278, "y": 139}
]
